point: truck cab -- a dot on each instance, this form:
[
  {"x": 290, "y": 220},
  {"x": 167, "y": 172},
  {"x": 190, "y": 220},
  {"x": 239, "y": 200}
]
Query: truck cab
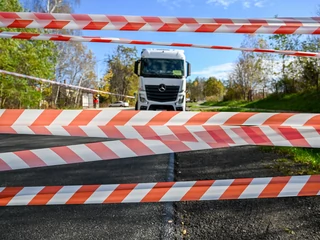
[{"x": 162, "y": 80}]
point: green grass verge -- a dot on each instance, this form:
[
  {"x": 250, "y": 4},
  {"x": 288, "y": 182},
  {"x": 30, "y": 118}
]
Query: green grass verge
[
  {"x": 297, "y": 161},
  {"x": 231, "y": 109},
  {"x": 225, "y": 104},
  {"x": 191, "y": 104},
  {"x": 300, "y": 102}
]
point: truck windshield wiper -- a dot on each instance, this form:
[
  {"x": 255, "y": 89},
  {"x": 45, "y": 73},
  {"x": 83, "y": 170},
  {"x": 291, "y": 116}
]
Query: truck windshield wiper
[
  {"x": 161, "y": 75},
  {"x": 176, "y": 76},
  {"x": 151, "y": 74}
]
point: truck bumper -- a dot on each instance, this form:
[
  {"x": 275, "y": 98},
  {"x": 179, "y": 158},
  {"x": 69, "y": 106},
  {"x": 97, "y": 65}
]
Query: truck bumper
[{"x": 155, "y": 106}]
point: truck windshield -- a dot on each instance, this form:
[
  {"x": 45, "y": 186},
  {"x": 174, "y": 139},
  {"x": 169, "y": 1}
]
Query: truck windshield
[{"x": 154, "y": 67}]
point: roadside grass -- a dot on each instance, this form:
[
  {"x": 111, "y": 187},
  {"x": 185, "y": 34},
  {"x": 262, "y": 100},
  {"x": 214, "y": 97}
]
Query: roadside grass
[
  {"x": 301, "y": 102},
  {"x": 195, "y": 106},
  {"x": 233, "y": 109},
  {"x": 294, "y": 160},
  {"x": 225, "y": 104},
  {"x": 191, "y": 104}
]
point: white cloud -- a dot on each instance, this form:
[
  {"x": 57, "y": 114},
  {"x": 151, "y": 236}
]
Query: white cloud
[
  {"x": 246, "y": 4},
  {"x": 172, "y": 4},
  {"x": 220, "y": 71},
  {"x": 226, "y": 3},
  {"x": 259, "y": 4}
]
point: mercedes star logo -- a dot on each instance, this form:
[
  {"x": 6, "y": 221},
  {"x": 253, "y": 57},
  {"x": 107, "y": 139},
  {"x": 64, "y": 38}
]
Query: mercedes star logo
[{"x": 162, "y": 87}]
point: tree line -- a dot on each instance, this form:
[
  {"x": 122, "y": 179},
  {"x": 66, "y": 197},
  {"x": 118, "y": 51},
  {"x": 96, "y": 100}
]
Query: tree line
[
  {"x": 69, "y": 62},
  {"x": 209, "y": 89},
  {"x": 66, "y": 62},
  {"x": 267, "y": 73},
  {"x": 256, "y": 75},
  {"x": 119, "y": 75},
  {"x": 270, "y": 73},
  {"x": 74, "y": 63}
]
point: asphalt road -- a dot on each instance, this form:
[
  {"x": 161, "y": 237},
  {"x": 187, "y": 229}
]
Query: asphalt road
[
  {"x": 286, "y": 218},
  {"x": 282, "y": 218},
  {"x": 113, "y": 221}
]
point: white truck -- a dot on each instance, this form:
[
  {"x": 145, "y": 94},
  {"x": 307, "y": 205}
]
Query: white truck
[{"x": 162, "y": 80}]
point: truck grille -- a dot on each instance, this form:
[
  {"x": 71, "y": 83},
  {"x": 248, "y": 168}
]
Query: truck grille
[{"x": 169, "y": 95}]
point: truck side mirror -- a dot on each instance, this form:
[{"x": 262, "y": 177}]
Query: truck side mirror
[
  {"x": 136, "y": 67},
  {"x": 188, "y": 69}
]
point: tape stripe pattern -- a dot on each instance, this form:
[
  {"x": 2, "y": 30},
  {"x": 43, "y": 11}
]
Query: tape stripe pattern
[
  {"x": 10, "y": 117},
  {"x": 163, "y": 27},
  {"x": 117, "y": 149},
  {"x": 297, "y": 136},
  {"x": 275, "y": 187},
  {"x": 70, "y": 38},
  {"x": 155, "y": 19}
]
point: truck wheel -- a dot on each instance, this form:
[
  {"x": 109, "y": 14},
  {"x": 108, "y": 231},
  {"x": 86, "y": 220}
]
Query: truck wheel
[{"x": 136, "y": 107}]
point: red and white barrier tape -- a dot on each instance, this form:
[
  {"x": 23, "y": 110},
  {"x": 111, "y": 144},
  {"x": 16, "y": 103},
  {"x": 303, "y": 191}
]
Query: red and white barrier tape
[
  {"x": 179, "y": 141},
  {"x": 269, "y": 135},
  {"x": 286, "y": 21},
  {"x": 58, "y": 83},
  {"x": 59, "y": 37},
  {"x": 37, "y": 117},
  {"x": 99, "y": 151},
  {"x": 226, "y": 189},
  {"x": 160, "y": 27}
]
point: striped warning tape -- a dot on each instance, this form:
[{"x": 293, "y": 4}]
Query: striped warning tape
[
  {"x": 164, "y": 24},
  {"x": 99, "y": 151},
  {"x": 59, "y": 37},
  {"x": 286, "y": 21},
  {"x": 128, "y": 148},
  {"x": 313, "y": 29},
  {"x": 246, "y": 188},
  {"x": 37, "y": 117},
  {"x": 270, "y": 135},
  {"x": 154, "y": 192},
  {"x": 61, "y": 84}
]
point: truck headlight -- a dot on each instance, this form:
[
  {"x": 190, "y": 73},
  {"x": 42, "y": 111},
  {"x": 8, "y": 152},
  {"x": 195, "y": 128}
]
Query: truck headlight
[
  {"x": 181, "y": 99},
  {"x": 142, "y": 98}
]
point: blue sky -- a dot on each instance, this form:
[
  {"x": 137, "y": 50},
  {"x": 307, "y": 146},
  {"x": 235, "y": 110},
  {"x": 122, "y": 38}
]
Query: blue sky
[{"x": 204, "y": 62}]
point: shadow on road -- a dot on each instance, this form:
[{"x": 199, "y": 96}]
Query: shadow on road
[
  {"x": 110, "y": 221},
  {"x": 242, "y": 219}
]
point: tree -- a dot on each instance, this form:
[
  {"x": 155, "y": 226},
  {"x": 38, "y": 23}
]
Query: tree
[
  {"x": 310, "y": 67},
  {"x": 195, "y": 89},
  {"x": 286, "y": 66},
  {"x": 249, "y": 72},
  {"x": 75, "y": 63},
  {"x": 28, "y": 57},
  {"x": 78, "y": 70},
  {"x": 51, "y": 6},
  {"x": 62, "y": 48},
  {"x": 213, "y": 87},
  {"x": 121, "y": 64}
]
